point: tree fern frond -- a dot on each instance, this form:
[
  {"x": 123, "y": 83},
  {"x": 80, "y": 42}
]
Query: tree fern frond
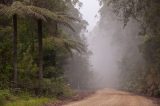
[
  {"x": 43, "y": 12},
  {"x": 23, "y": 10},
  {"x": 71, "y": 18},
  {"x": 70, "y": 45},
  {"x": 62, "y": 42},
  {"x": 66, "y": 16},
  {"x": 65, "y": 24}
]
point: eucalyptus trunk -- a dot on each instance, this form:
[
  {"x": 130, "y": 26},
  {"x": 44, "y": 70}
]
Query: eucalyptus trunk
[{"x": 15, "y": 69}]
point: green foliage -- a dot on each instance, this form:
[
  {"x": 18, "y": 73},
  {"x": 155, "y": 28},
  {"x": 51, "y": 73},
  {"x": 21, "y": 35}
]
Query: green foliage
[
  {"x": 23, "y": 10},
  {"x": 56, "y": 88},
  {"x": 4, "y": 96},
  {"x": 141, "y": 76},
  {"x": 151, "y": 50},
  {"x": 5, "y": 57},
  {"x": 23, "y": 99},
  {"x": 27, "y": 70},
  {"x": 30, "y": 102},
  {"x": 57, "y": 48}
]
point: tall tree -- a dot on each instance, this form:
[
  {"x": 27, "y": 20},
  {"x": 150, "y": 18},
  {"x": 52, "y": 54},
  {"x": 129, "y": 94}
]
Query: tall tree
[
  {"x": 20, "y": 9},
  {"x": 40, "y": 14},
  {"x": 146, "y": 14},
  {"x": 15, "y": 68}
]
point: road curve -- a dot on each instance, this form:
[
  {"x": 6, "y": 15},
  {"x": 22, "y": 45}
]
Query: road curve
[{"x": 114, "y": 98}]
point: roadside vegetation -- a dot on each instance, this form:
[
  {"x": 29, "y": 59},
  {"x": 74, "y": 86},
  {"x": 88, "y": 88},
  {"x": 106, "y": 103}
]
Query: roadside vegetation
[
  {"x": 37, "y": 40},
  {"x": 139, "y": 65}
]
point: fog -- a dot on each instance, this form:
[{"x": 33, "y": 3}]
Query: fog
[
  {"x": 109, "y": 43},
  {"x": 89, "y": 11}
]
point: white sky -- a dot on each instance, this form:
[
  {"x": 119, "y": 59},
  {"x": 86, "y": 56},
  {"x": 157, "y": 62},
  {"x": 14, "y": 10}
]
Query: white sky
[{"x": 89, "y": 10}]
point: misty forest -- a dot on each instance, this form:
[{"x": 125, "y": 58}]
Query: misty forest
[{"x": 79, "y": 52}]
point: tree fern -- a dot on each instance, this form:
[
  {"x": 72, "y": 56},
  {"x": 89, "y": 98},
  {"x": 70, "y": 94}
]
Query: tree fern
[
  {"x": 64, "y": 42},
  {"x": 23, "y": 10}
]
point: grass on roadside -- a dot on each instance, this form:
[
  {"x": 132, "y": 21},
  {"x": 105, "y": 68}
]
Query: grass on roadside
[
  {"x": 23, "y": 99},
  {"x": 30, "y": 102}
]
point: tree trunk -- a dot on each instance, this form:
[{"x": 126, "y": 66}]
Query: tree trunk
[
  {"x": 40, "y": 53},
  {"x": 15, "y": 50},
  {"x": 56, "y": 35},
  {"x": 56, "y": 29}
]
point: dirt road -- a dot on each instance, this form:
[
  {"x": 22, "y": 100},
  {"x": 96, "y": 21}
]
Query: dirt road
[{"x": 115, "y": 98}]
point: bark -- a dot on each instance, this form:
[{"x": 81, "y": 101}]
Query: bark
[
  {"x": 40, "y": 53},
  {"x": 56, "y": 35},
  {"x": 15, "y": 50},
  {"x": 56, "y": 29}
]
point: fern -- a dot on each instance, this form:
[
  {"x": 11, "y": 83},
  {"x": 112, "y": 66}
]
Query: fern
[
  {"x": 63, "y": 42},
  {"x": 23, "y": 10}
]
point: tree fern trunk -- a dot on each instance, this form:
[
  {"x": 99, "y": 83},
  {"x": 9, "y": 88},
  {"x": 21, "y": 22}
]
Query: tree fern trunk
[
  {"x": 54, "y": 51},
  {"x": 40, "y": 53},
  {"x": 56, "y": 29},
  {"x": 15, "y": 50}
]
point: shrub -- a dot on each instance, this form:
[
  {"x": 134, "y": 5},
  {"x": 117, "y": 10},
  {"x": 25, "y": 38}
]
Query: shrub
[
  {"x": 4, "y": 96},
  {"x": 56, "y": 88}
]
